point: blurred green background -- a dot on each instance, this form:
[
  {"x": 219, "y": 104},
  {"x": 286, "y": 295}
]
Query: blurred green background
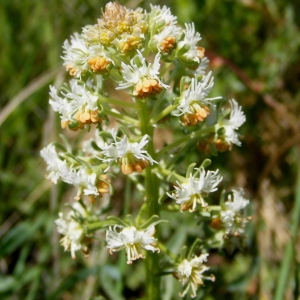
[{"x": 254, "y": 51}]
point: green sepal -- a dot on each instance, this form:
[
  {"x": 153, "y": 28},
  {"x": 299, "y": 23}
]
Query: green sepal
[
  {"x": 59, "y": 146},
  {"x": 174, "y": 177},
  {"x": 221, "y": 131},
  {"x": 205, "y": 163},
  {"x": 160, "y": 24},
  {"x": 99, "y": 225},
  {"x": 183, "y": 50},
  {"x": 95, "y": 146},
  {"x": 125, "y": 131},
  {"x": 101, "y": 112},
  {"x": 73, "y": 125},
  {"x": 225, "y": 112},
  {"x": 109, "y": 67},
  {"x": 223, "y": 197},
  {"x": 193, "y": 248},
  {"x": 137, "y": 61},
  {"x": 81, "y": 162},
  {"x": 66, "y": 142},
  {"x": 190, "y": 170},
  {"x": 182, "y": 83},
  {"x": 183, "y": 253},
  {"x": 105, "y": 135},
  {"x": 118, "y": 221},
  {"x": 152, "y": 221}
]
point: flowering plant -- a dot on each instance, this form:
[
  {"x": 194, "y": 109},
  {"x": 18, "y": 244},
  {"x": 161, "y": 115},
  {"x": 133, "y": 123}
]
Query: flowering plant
[{"x": 158, "y": 71}]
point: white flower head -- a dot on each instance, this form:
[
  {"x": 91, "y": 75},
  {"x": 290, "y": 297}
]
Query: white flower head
[
  {"x": 78, "y": 104},
  {"x": 232, "y": 213},
  {"x": 71, "y": 228},
  {"x": 194, "y": 105},
  {"x": 190, "y": 274},
  {"x": 144, "y": 78},
  {"x": 161, "y": 17},
  {"x": 55, "y": 166},
  {"x": 165, "y": 31},
  {"x": 236, "y": 119},
  {"x": 165, "y": 40},
  {"x": 131, "y": 239},
  {"x": 86, "y": 181},
  {"x": 76, "y": 55},
  {"x": 200, "y": 71},
  {"x": 194, "y": 190},
  {"x": 131, "y": 154},
  {"x": 190, "y": 40}
]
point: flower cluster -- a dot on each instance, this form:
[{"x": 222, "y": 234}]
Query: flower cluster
[
  {"x": 193, "y": 190},
  {"x": 139, "y": 83},
  {"x": 232, "y": 213},
  {"x": 87, "y": 182},
  {"x": 193, "y": 105},
  {"x": 131, "y": 239},
  {"x": 190, "y": 274},
  {"x": 71, "y": 227}
]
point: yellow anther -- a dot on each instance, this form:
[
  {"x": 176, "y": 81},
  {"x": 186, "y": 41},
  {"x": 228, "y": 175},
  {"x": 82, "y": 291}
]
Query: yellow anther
[
  {"x": 199, "y": 115},
  {"x": 167, "y": 44}
]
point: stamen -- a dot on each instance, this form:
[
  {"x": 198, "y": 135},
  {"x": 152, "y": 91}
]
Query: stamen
[{"x": 98, "y": 64}]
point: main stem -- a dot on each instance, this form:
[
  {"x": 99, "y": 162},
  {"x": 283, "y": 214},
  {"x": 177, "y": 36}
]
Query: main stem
[{"x": 152, "y": 186}]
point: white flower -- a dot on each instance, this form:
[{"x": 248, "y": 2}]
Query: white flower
[
  {"x": 71, "y": 229},
  {"x": 194, "y": 105},
  {"x": 78, "y": 104},
  {"x": 163, "y": 26},
  {"x": 159, "y": 16},
  {"x": 143, "y": 79},
  {"x": 200, "y": 71},
  {"x": 75, "y": 56},
  {"x": 86, "y": 181},
  {"x": 131, "y": 154},
  {"x": 236, "y": 119},
  {"x": 167, "y": 38},
  {"x": 232, "y": 213},
  {"x": 191, "y": 38},
  {"x": 132, "y": 239},
  {"x": 190, "y": 274},
  {"x": 194, "y": 190},
  {"x": 55, "y": 165}
]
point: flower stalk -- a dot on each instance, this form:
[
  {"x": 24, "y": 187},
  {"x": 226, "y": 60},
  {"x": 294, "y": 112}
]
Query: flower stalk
[{"x": 161, "y": 66}]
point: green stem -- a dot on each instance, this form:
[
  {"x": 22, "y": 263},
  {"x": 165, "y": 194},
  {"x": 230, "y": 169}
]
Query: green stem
[
  {"x": 152, "y": 195},
  {"x": 163, "y": 113},
  {"x": 141, "y": 213},
  {"x": 175, "y": 175},
  {"x": 164, "y": 68},
  {"x": 184, "y": 139},
  {"x": 122, "y": 258},
  {"x": 121, "y": 117},
  {"x": 162, "y": 94},
  {"x": 99, "y": 225},
  {"x": 120, "y": 103},
  {"x": 285, "y": 269},
  {"x": 165, "y": 250}
]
